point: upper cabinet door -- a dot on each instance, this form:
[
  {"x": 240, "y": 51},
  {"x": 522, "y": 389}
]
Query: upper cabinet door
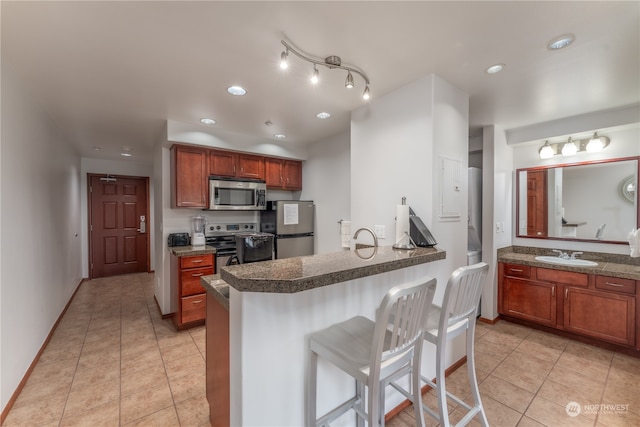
[
  {"x": 292, "y": 175},
  {"x": 189, "y": 177},
  {"x": 273, "y": 172},
  {"x": 236, "y": 165},
  {"x": 250, "y": 166},
  {"x": 223, "y": 163}
]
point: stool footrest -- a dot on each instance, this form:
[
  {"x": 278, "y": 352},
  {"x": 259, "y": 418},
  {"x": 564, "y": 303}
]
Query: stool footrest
[{"x": 330, "y": 416}]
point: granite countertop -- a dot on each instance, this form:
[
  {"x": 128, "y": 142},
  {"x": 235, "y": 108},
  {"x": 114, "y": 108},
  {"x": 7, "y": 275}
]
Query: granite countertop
[
  {"x": 298, "y": 274},
  {"x": 192, "y": 250},
  {"x": 217, "y": 287},
  {"x": 605, "y": 266}
]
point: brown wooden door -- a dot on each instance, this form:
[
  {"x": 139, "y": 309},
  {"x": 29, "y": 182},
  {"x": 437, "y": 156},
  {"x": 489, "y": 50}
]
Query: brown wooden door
[
  {"x": 537, "y": 203},
  {"x": 118, "y": 244}
]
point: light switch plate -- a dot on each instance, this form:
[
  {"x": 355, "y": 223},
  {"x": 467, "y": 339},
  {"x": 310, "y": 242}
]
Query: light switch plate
[{"x": 380, "y": 231}]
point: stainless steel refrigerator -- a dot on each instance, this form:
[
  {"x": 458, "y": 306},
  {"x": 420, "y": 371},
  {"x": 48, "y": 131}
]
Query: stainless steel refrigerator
[{"x": 292, "y": 222}]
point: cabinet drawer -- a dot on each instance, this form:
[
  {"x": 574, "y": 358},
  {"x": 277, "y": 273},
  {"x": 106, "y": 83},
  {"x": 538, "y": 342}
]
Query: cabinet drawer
[
  {"x": 614, "y": 284},
  {"x": 196, "y": 261},
  {"x": 190, "y": 280},
  {"x": 516, "y": 270},
  {"x": 563, "y": 277},
  {"x": 194, "y": 308}
]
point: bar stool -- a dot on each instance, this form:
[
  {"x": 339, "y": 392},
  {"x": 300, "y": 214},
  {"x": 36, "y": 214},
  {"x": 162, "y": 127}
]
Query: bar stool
[
  {"x": 374, "y": 353},
  {"x": 457, "y": 315}
]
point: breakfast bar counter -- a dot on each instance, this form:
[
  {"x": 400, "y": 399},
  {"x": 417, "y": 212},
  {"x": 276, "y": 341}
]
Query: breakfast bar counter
[{"x": 271, "y": 309}]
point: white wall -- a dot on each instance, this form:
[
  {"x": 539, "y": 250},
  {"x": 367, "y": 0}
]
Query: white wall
[
  {"x": 326, "y": 180},
  {"x": 40, "y": 222},
  {"x": 497, "y": 207},
  {"x": 127, "y": 167},
  {"x": 396, "y": 146},
  {"x": 625, "y": 142}
]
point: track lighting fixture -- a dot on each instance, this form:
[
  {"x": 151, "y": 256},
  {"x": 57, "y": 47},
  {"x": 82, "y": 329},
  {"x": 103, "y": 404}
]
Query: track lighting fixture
[
  {"x": 330, "y": 62},
  {"x": 573, "y": 146}
]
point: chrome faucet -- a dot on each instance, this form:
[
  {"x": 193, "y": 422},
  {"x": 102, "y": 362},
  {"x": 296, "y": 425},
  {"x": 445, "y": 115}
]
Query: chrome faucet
[
  {"x": 561, "y": 254},
  {"x": 573, "y": 255},
  {"x": 375, "y": 238}
]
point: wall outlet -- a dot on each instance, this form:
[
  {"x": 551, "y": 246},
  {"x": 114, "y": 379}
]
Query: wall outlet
[
  {"x": 380, "y": 230},
  {"x": 499, "y": 227}
]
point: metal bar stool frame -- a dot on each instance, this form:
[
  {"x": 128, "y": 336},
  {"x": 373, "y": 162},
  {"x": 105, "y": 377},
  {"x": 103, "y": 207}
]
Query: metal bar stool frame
[
  {"x": 456, "y": 316},
  {"x": 374, "y": 353}
]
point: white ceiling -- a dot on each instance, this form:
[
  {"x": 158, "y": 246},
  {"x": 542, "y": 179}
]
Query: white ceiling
[{"x": 111, "y": 73}]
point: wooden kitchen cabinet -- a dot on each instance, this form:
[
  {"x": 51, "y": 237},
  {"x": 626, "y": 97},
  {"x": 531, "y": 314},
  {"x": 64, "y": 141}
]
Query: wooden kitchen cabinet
[
  {"x": 530, "y": 300},
  {"x": 186, "y": 272},
  {"x": 595, "y": 306},
  {"x": 236, "y": 165},
  {"x": 600, "y": 314},
  {"x": 283, "y": 174},
  {"x": 189, "y": 177}
]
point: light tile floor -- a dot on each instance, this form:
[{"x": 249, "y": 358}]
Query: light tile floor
[
  {"x": 113, "y": 361},
  {"x": 527, "y": 378}
]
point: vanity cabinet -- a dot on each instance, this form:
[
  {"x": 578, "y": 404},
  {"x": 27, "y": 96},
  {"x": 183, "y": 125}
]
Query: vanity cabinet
[
  {"x": 236, "y": 165},
  {"x": 595, "y": 306},
  {"x": 189, "y": 177},
  {"x": 283, "y": 174},
  {"x": 186, "y": 272}
]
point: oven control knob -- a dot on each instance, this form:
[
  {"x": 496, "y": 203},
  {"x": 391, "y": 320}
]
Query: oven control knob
[
  {"x": 251, "y": 227},
  {"x": 246, "y": 226},
  {"x": 217, "y": 227}
]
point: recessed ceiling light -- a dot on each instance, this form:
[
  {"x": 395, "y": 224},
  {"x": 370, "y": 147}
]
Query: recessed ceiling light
[
  {"x": 206, "y": 121},
  {"x": 279, "y": 136},
  {"x": 237, "y": 90},
  {"x": 126, "y": 154},
  {"x": 96, "y": 148},
  {"x": 495, "y": 68},
  {"x": 323, "y": 115},
  {"x": 561, "y": 42}
]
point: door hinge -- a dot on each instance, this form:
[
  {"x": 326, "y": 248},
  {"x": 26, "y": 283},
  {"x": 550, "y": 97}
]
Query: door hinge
[
  {"x": 91, "y": 228},
  {"x": 90, "y": 189},
  {"x": 91, "y": 266}
]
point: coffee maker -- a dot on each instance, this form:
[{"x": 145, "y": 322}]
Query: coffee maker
[{"x": 198, "y": 224}]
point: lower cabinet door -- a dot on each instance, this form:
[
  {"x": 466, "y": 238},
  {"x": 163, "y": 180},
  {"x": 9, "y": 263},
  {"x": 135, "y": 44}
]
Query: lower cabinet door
[
  {"x": 194, "y": 308},
  {"x": 530, "y": 300},
  {"x": 604, "y": 315}
]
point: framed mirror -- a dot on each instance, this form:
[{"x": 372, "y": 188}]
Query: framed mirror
[{"x": 590, "y": 201}]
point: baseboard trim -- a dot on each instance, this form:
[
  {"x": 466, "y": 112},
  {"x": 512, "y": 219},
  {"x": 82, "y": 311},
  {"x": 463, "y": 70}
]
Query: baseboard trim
[
  {"x": 424, "y": 390},
  {"x": 16, "y": 393},
  {"x": 164, "y": 316},
  {"x": 489, "y": 321}
]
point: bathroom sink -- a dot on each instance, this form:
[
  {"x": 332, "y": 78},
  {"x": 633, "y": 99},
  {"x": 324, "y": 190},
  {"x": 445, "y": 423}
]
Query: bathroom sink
[{"x": 564, "y": 261}]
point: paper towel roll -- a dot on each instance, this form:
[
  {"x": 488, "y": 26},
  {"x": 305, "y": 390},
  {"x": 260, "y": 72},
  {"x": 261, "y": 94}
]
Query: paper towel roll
[{"x": 402, "y": 224}]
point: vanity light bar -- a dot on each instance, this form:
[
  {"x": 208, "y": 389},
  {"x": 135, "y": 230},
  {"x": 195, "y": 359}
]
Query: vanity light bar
[{"x": 592, "y": 145}]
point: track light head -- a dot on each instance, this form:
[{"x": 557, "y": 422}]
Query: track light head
[
  {"x": 315, "y": 77},
  {"x": 349, "y": 83},
  {"x": 284, "y": 60},
  {"x": 366, "y": 94}
]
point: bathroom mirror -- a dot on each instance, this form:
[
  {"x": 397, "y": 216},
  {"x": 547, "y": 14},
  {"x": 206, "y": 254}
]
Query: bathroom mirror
[{"x": 591, "y": 201}]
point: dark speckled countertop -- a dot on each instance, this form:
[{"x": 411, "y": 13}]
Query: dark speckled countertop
[
  {"x": 308, "y": 272},
  {"x": 217, "y": 287},
  {"x": 192, "y": 250},
  {"x": 610, "y": 265}
]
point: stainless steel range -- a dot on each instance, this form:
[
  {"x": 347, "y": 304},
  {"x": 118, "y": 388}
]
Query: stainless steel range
[{"x": 222, "y": 236}]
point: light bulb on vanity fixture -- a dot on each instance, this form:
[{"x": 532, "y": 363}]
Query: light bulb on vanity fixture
[
  {"x": 574, "y": 146},
  {"x": 331, "y": 62},
  {"x": 569, "y": 148},
  {"x": 546, "y": 151}
]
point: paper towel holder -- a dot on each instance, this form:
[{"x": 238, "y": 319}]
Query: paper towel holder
[{"x": 411, "y": 244}]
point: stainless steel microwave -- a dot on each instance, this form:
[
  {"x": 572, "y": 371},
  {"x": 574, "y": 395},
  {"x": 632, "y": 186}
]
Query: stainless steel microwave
[{"x": 237, "y": 194}]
